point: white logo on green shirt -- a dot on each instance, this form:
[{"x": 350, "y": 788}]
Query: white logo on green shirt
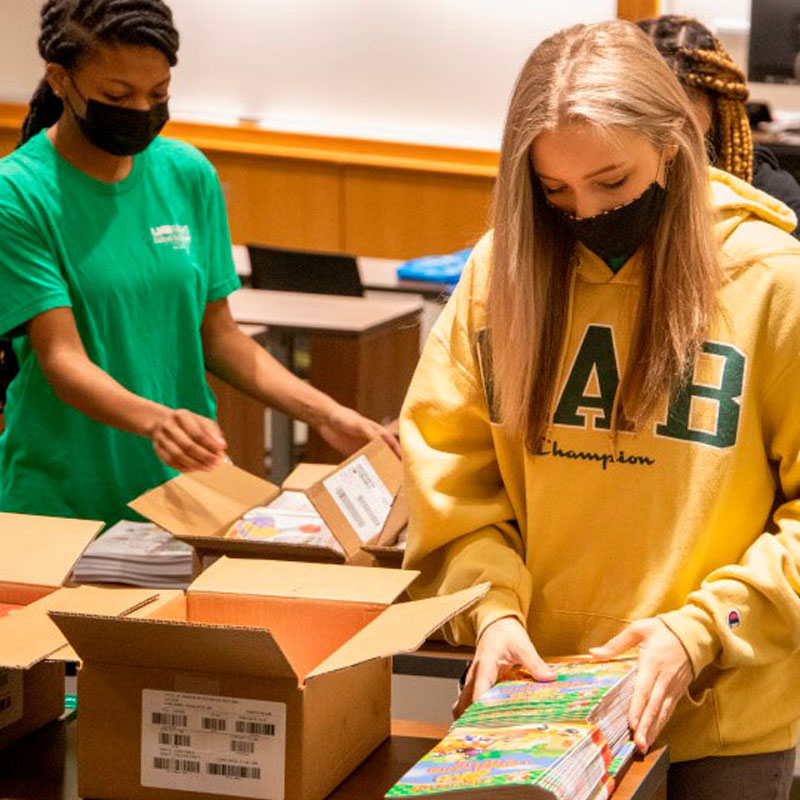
[{"x": 179, "y": 236}]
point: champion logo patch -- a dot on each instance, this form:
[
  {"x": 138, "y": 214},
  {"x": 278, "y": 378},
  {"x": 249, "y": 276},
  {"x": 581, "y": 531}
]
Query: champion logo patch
[{"x": 733, "y": 619}]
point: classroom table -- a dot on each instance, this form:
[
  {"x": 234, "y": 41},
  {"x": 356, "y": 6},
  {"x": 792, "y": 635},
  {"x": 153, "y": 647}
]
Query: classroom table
[
  {"x": 363, "y": 352},
  {"x": 43, "y": 766},
  {"x": 377, "y": 274}
]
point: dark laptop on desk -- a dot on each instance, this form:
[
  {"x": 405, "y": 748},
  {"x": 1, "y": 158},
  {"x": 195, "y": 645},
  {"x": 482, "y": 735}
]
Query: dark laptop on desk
[{"x": 304, "y": 271}]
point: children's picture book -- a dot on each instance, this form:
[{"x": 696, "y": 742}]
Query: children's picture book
[
  {"x": 563, "y": 740},
  {"x": 290, "y": 518}
]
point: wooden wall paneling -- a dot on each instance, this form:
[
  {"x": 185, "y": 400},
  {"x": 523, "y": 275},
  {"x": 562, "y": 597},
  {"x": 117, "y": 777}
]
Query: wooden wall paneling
[
  {"x": 403, "y": 213},
  {"x": 283, "y": 202},
  {"x": 8, "y": 141},
  {"x": 635, "y": 10}
]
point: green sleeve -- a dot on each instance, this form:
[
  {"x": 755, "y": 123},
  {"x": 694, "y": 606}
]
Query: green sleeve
[
  {"x": 29, "y": 273},
  {"x": 222, "y": 277}
]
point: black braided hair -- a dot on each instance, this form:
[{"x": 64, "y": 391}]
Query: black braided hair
[
  {"x": 701, "y": 62},
  {"x": 70, "y": 29}
]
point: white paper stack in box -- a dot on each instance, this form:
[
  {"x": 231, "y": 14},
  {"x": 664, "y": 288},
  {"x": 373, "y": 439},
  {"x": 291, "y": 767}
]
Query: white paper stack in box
[
  {"x": 356, "y": 500},
  {"x": 138, "y": 554},
  {"x": 38, "y": 554},
  {"x": 267, "y": 679}
]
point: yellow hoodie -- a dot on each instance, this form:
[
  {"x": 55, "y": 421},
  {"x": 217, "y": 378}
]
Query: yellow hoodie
[{"x": 696, "y": 518}]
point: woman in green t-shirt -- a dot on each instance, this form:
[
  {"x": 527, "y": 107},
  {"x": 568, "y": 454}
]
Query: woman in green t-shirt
[{"x": 115, "y": 266}]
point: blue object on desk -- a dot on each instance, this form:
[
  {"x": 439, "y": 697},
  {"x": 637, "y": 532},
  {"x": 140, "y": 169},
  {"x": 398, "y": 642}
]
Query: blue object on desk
[{"x": 435, "y": 269}]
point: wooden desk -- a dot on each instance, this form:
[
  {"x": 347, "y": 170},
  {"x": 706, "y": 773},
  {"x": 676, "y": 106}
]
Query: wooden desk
[
  {"x": 363, "y": 353},
  {"x": 43, "y": 766},
  {"x": 241, "y": 418}
]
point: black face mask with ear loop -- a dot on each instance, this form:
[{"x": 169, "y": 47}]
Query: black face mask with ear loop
[
  {"x": 117, "y": 130},
  {"x": 620, "y": 232}
]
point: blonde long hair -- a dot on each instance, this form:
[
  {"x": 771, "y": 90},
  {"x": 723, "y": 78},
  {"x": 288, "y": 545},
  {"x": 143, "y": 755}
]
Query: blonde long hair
[{"x": 609, "y": 75}]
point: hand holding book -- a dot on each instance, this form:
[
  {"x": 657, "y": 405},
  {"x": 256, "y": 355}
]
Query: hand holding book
[
  {"x": 503, "y": 646},
  {"x": 664, "y": 675}
]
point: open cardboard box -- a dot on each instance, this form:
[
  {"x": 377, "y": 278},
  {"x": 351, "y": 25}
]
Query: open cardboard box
[
  {"x": 199, "y": 508},
  {"x": 267, "y": 679},
  {"x": 38, "y": 554}
]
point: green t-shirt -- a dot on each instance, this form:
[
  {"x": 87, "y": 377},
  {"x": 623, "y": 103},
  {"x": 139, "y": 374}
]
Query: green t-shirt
[{"x": 137, "y": 261}]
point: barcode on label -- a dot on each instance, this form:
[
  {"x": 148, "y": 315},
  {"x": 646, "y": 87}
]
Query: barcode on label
[
  {"x": 342, "y": 495},
  {"x": 367, "y": 510},
  {"x": 174, "y": 739},
  {"x": 177, "y": 765},
  {"x": 247, "y": 748},
  {"x": 5, "y": 703},
  {"x": 214, "y": 724},
  {"x": 174, "y": 720},
  {"x": 234, "y": 771},
  {"x": 259, "y": 728}
]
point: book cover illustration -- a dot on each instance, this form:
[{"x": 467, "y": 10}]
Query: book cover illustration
[
  {"x": 566, "y": 739},
  {"x": 477, "y": 758}
]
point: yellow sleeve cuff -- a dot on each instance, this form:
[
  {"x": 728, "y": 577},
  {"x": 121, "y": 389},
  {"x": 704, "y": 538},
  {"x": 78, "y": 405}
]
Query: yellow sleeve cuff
[
  {"x": 697, "y": 633},
  {"x": 496, "y": 604}
]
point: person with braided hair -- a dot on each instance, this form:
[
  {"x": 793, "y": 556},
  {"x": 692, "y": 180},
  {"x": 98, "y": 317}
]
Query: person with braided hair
[
  {"x": 116, "y": 266},
  {"x": 717, "y": 87}
]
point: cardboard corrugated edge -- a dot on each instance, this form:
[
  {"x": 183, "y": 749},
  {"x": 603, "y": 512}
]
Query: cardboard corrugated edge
[
  {"x": 199, "y": 506},
  {"x": 304, "y": 580},
  {"x": 246, "y": 548},
  {"x": 67, "y": 653},
  {"x": 28, "y": 636},
  {"x": 390, "y": 471},
  {"x": 24, "y": 537},
  {"x": 400, "y": 628},
  {"x": 170, "y": 644},
  {"x": 305, "y": 475}
]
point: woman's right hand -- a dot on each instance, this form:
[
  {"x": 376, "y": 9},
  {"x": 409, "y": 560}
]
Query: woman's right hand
[
  {"x": 503, "y": 645},
  {"x": 188, "y": 442}
]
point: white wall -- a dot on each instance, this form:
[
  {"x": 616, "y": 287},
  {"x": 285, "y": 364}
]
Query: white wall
[
  {"x": 410, "y": 70},
  {"x": 436, "y": 71}
]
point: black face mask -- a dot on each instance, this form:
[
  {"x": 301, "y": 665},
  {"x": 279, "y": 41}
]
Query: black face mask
[
  {"x": 117, "y": 130},
  {"x": 620, "y": 232}
]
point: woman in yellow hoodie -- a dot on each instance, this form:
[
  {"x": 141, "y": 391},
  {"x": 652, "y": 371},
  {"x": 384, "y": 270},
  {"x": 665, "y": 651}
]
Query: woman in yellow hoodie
[{"x": 603, "y": 424}]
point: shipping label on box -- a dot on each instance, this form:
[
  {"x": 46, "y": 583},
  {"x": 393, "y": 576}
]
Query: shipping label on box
[
  {"x": 214, "y": 745},
  {"x": 11, "y": 702},
  {"x": 361, "y": 496}
]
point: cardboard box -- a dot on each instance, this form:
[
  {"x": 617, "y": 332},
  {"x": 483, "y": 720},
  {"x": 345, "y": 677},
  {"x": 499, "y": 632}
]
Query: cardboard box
[
  {"x": 268, "y": 679},
  {"x": 199, "y": 508},
  {"x": 38, "y": 554}
]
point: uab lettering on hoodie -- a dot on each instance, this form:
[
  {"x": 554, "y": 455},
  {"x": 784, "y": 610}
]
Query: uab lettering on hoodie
[{"x": 594, "y": 379}]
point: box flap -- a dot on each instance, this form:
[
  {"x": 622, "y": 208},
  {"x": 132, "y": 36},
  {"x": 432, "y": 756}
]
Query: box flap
[
  {"x": 304, "y": 476},
  {"x": 28, "y": 635},
  {"x": 164, "y": 597},
  {"x": 248, "y": 548},
  {"x": 173, "y": 645},
  {"x": 401, "y": 628},
  {"x": 341, "y": 507},
  {"x": 24, "y": 538},
  {"x": 306, "y": 580},
  {"x": 204, "y": 503}
]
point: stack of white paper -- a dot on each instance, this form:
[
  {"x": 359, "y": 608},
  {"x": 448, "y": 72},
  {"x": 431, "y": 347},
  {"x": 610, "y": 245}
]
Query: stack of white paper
[{"x": 139, "y": 554}]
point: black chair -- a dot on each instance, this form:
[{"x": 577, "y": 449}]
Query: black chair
[{"x": 304, "y": 271}]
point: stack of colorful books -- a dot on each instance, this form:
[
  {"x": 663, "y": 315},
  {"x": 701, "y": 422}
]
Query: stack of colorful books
[{"x": 563, "y": 740}]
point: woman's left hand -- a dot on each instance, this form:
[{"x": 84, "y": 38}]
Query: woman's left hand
[
  {"x": 663, "y": 676},
  {"x": 346, "y": 431}
]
